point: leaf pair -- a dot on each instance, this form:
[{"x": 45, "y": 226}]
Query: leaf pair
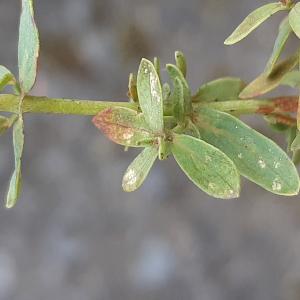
[
  {"x": 256, "y": 157},
  {"x": 28, "y": 51}
]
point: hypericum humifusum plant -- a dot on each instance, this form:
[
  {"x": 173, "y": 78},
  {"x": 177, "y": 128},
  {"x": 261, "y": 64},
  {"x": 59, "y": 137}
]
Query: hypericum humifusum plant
[{"x": 201, "y": 130}]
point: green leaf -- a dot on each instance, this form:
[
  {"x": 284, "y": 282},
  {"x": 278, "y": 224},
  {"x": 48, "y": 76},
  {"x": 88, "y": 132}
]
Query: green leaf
[
  {"x": 132, "y": 89},
  {"x": 291, "y": 79},
  {"x": 156, "y": 63},
  {"x": 124, "y": 126},
  {"x": 6, "y": 123},
  {"x": 222, "y": 89},
  {"x": 178, "y": 99},
  {"x": 257, "y": 158},
  {"x": 181, "y": 62},
  {"x": 192, "y": 130},
  {"x": 209, "y": 168},
  {"x": 253, "y": 20},
  {"x": 166, "y": 90},
  {"x": 28, "y": 50},
  {"x": 150, "y": 95},
  {"x": 6, "y": 78},
  {"x": 294, "y": 18},
  {"x": 139, "y": 169},
  {"x": 16, "y": 179},
  {"x": 290, "y": 137},
  {"x": 295, "y": 146},
  {"x": 272, "y": 121},
  {"x": 174, "y": 73},
  {"x": 283, "y": 35},
  {"x": 267, "y": 82}
]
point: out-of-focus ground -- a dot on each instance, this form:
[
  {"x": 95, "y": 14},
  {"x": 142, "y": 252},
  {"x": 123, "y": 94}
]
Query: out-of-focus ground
[{"x": 75, "y": 234}]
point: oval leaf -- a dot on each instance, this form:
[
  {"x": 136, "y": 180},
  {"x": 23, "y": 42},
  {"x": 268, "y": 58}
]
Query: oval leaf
[
  {"x": 28, "y": 50},
  {"x": 257, "y": 158},
  {"x": 282, "y": 37},
  {"x": 294, "y": 18},
  {"x": 6, "y": 78},
  {"x": 139, "y": 169},
  {"x": 150, "y": 95},
  {"x": 209, "y": 168},
  {"x": 124, "y": 126},
  {"x": 267, "y": 82},
  {"x": 16, "y": 179},
  {"x": 253, "y": 20},
  {"x": 222, "y": 89}
]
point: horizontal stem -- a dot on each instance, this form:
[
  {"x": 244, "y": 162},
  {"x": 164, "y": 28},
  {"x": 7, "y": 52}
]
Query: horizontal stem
[
  {"x": 44, "y": 105},
  {"x": 33, "y": 104}
]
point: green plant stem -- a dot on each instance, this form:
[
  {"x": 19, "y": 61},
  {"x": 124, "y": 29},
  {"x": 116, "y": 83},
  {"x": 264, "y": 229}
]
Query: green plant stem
[{"x": 44, "y": 105}]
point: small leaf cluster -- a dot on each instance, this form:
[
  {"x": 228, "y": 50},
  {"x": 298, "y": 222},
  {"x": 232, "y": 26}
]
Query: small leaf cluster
[{"x": 213, "y": 148}]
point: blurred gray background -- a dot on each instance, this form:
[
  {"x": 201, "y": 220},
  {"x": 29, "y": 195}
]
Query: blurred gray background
[{"x": 75, "y": 234}]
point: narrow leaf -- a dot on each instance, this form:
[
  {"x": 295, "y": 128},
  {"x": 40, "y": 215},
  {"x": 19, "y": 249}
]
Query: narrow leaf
[
  {"x": 16, "y": 179},
  {"x": 174, "y": 73},
  {"x": 294, "y": 18},
  {"x": 222, "y": 89},
  {"x": 166, "y": 90},
  {"x": 6, "y": 123},
  {"x": 291, "y": 79},
  {"x": 178, "y": 98},
  {"x": 282, "y": 37},
  {"x": 257, "y": 158},
  {"x": 296, "y": 143},
  {"x": 156, "y": 63},
  {"x": 124, "y": 126},
  {"x": 6, "y": 78},
  {"x": 181, "y": 62},
  {"x": 132, "y": 89},
  {"x": 209, "y": 168},
  {"x": 267, "y": 82},
  {"x": 192, "y": 130},
  {"x": 150, "y": 95},
  {"x": 139, "y": 169},
  {"x": 253, "y": 20},
  {"x": 28, "y": 50}
]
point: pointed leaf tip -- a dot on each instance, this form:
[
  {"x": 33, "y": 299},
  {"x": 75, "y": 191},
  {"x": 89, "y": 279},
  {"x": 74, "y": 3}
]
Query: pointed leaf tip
[
  {"x": 253, "y": 20},
  {"x": 16, "y": 179}
]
